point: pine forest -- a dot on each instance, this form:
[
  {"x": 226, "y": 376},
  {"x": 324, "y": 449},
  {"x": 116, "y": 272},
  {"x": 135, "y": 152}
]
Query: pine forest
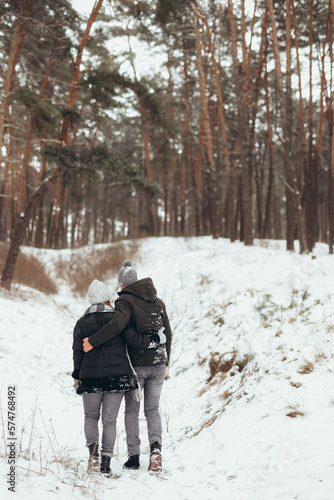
[{"x": 165, "y": 118}]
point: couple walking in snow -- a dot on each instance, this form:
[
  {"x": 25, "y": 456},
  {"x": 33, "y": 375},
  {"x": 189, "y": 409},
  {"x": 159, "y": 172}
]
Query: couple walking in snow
[{"x": 122, "y": 351}]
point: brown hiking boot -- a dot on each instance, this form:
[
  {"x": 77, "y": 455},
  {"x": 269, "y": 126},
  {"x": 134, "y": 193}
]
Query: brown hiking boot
[
  {"x": 155, "y": 458},
  {"x": 93, "y": 460}
]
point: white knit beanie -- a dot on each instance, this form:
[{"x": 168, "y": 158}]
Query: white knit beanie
[
  {"x": 127, "y": 274},
  {"x": 98, "y": 292}
]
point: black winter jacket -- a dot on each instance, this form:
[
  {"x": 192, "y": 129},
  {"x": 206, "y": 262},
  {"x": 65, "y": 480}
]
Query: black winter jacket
[
  {"x": 105, "y": 368},
  {"x": 139, "y": 306}
]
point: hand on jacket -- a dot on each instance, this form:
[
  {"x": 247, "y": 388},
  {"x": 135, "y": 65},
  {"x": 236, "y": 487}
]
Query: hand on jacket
[
  {"x": 86, "y": 345},
  {"x": 157, "y": 339},
  {"x": 75, "y": 384}
]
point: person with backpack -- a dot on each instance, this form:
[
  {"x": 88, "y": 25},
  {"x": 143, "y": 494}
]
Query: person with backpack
[
  {"x": 139, "y": 307},
  {"x": 105, "y": 374}
]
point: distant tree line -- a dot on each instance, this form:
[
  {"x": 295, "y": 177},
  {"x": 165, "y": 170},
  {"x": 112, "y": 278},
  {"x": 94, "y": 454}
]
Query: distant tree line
[{"x": 232, "y": 137}]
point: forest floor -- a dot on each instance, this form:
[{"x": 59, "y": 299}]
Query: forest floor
[{"x": 247, "y": 409}]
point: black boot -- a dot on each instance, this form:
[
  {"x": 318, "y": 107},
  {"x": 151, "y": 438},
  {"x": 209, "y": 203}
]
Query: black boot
[
  {"x": 105, "y": 465},
  {"x": 132, "y": 462},
  {"x": 155, "y": 458},
  {"x": 93, "y": 460}
]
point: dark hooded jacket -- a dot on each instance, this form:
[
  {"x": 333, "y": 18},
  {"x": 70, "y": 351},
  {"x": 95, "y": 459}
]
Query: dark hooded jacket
[
  {"x": 139, "y": 306},
  {"x": 105, "y": 368}
]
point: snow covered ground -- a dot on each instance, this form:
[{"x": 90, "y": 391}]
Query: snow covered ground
[{"x": 248, "y": 409}]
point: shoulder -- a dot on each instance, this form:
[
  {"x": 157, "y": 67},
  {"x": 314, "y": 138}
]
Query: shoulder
[
  {"x": 77, "y": 327},
  {"x": 124, "y": 301},
  {"x": 161, "y": 304},
  {"x": 94, "y": 321}
]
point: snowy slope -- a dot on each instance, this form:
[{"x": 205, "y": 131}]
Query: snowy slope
[{"x": 262, "y": 316}]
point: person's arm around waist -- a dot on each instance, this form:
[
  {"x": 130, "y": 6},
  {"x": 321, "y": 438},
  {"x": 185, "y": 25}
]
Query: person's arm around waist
[
  {"x": 118, "y": 322},
  {"x": 137, "y": 340}
]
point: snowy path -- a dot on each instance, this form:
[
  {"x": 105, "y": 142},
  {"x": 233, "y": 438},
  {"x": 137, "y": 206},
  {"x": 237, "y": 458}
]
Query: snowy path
[{"x": 227, "y": 438}]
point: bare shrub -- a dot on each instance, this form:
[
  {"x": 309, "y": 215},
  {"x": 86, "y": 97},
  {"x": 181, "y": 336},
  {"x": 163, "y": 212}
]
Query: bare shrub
[
  {"x": 295, "y": 412},
  {"x": 226, "y": 394},
  {"x": 207, "y": 423},
  {"x": 296, "y": 384},
  {"x": 29, "y": 272},
  {"x": 204, "y": 389},
  {"x": 219, "y": 364},
  {"x": 320, "y": 356},
  {"x": 219, "y": 321},
  {"x": 204, "y": 280},
  {"x": 265, "y": 324},
  {"x": 201, "y": 361},
  {"x": 99, "y": 263},
  {"x": 306, "y": 368}
]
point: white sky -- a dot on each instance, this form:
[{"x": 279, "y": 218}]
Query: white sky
[{"x": 83, "y": 6}]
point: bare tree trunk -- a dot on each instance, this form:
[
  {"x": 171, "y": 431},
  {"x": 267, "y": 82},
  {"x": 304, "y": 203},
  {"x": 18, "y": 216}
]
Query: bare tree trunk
[
  {"x": 186, "y": 137},
  {"x": 304, "y": 157},
  {"x": 291, "y": 177},
  {"x": 198, "y": 208},
  {"x": 172, "y": 147},
  {"x": 310, "y": 175},
  {"x": 166, "y": 198},
  {"x": 207, "y": 135},
  {"x": 265, "y": 232},
  {"x": 9, "y": 157},
  {"x": 294, "y": 207},
  {"x": 241, "y": 88},
  {"x": 255, "y": 95},
  {"x": 331, "y": 179},
  {"x": 165, "y": 185},
  {"x": 232, "y": 196},
  {"x": 330, "y": 118},
  {"x": 16, "y": 45},
  {"x": 245, "y": 158}
]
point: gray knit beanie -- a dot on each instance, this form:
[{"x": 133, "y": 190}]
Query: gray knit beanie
[
  {"x": 127, "y": 274},
  {"x": 98, "y": 292}
]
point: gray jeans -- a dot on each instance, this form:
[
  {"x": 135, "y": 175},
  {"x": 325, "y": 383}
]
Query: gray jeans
[
  {"x": 151, "y": 379},
  {"x": 109, "y": 402}
]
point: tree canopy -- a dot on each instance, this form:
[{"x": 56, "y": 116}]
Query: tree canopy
[{"x": 162, "y": 117}]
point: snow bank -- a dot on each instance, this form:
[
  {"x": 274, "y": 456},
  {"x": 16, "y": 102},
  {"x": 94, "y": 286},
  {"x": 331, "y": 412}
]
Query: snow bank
[{"x": 253, "y": 343}]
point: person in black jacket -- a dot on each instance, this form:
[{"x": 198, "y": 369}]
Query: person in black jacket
[
  {"x": 104, "y": 374},
  {"x": 139, "y": 306}
]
